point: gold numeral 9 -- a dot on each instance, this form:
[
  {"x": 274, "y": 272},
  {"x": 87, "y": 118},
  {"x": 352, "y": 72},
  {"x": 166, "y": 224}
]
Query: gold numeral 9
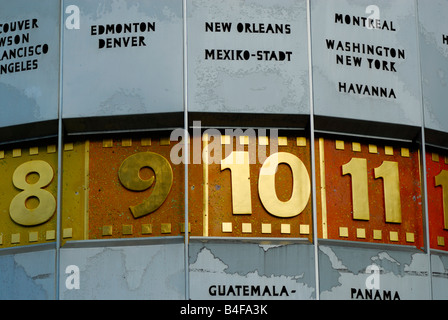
[
  {"x": 129, "y": 175},
  {"x": 18, "y": 209}
]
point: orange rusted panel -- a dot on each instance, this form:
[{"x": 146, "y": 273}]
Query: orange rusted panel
[
  {"x": 109, "y": 201},
  {"x": 335, "y": 197},
  {"x": 212, "y": 213},
  {"x": 436, "y": 171}
]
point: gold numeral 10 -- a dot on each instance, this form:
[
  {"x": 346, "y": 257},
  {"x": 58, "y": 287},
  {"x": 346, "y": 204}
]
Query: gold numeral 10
[
  {"x": 238, "y": 163},
  {"x": 388, "y": 171}
]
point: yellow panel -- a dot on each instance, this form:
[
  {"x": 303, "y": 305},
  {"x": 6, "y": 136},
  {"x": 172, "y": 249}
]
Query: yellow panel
[
  {"x": 343, "y": 232},
  {"x": 377, "y": 234},
  {"x": 146, "y": 141},
  {"x": 182, "y": 227},
  {"x": 304, "y": 229},
  {"x": 340, "y": 145},
  {"x": 108, "y": 143},
  {"x": 361, "y": 233},
  {"x": 405, "y": 152},
  {"x": 247, "y": 227},
  {"x": 301, "y": 141},
  {"x": 373, "y": 148},
  {"x": 441, "y": 241},
  {"x": 266, "y": 228},
  {"x": 16, "y": 153},
  {"x": 126, "y": 142},
  {"x": 15, "y": 238},
  {"x": 226, "y": 227},
  {"x": 244, "y": 140},
  {"x": 107, "y": 230},
  {"x": 225, "y": 139},
  {"x": 67, "y": 233},
  {"x": 356, "y": 147},
  {"x": 410, "y": 237},
  {"x": 282, "y": 141},
  {"x": 33, "y": 236},
  {"x": 165, "y": 141},
  {"x": 393, "y": 235},
  {"x": 50, "y": 235},
  {"x": 34, "y": 151},
  {"x": 146, "y": 229},
  {"x": 75, "y": 192},
  {"x": 285, "y": 228},
  {"x": 166, "y": 227},
  {"x": 389, "y": 151},
  {"x": 127, "y": 229},
  {"x": 263, "y": 141},
  {"x": 51, "y": 148},
  {"x": 24, "y": 198}
]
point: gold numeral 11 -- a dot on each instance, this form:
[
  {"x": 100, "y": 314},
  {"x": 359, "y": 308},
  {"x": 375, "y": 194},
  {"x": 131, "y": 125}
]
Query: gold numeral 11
[
  {"x": 388, "y": 171},
  {"x": 442, "y": 180}
]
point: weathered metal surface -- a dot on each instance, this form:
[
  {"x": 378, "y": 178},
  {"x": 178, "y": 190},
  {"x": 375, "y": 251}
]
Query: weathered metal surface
[
  {"x": 110, "y": 69},
  {"x": 138, "y": 272},
  {"x": 29, "y": 62},
  {"x": 353, "y": 81},
  {"x": 437, "y": 186},
  {"x": 337, "y": 218},
  {"x": 227, "y": 270},
  {"x": 28, "y": 275},
  {"x": 434, "y": 54},
  {"x": 348, "y": 272},
  {"x": 248, "y": 56}
]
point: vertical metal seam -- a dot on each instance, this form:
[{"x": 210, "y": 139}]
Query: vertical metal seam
[
  {"x": 323, "y": 189},
  {"x": 60, "y": 154},
  {"x": 312, "y": 151},
  {"x": 423, "y": 172},
  {"x": 187, "y": 146},
  {"x": 205, "y": 190}
]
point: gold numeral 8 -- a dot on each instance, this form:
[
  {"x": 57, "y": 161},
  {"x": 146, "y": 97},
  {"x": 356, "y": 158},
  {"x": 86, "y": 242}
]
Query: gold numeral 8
[{"x": 18, "y": 209}]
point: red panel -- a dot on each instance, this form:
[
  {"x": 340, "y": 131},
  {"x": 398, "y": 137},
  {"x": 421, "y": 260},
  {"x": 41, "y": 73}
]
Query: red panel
[{"x": 338, "y": 211}]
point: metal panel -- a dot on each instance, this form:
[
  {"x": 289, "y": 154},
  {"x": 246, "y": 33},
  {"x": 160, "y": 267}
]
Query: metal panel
[
  {"x": 29, "y": 61},
  {"x": 366, "y": 71},
  {"x": 238, "y": 270},
  {"x": 124, "y": 59},
  {"x": 351, "y": 273},
  {"x": 439, "y": 266},
  {"x": 27, "y": 275},
  {"x": 248, "y": 56},
  {"x": 123, "y": 272},
  {"x": 434, "y": 61}
]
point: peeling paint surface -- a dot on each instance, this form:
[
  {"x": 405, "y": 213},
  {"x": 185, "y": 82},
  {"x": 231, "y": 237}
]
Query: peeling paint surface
[
  {"x": 343, "y": 269},
  {"x": 249, "y": 84},
  {"x": 27, "y": 276},
  {"x": 31, "y": 95},
  {"x": 134, "y": 272},
  {"x": 251, "y": 271},
  {"x": 124, "y": 80}
]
